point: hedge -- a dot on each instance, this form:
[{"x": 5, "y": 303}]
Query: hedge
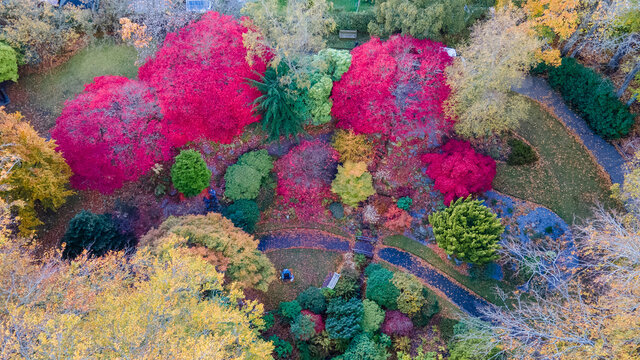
[{"x": 592, "y": 97}]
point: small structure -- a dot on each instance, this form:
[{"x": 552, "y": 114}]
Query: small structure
[
  {"x": 83, "y": 4},
  {"x": 348, "y": 34},
  {"x": 451, "y": 52},
  {"x": 331, "y": 280},
  {"x": 286, "y": 275},
  {"x": 211, "y": 203},
  {"x": 198, "y": 5}
]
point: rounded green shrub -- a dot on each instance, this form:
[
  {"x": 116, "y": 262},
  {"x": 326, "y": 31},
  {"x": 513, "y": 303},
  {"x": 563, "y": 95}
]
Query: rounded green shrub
[
  {"x": 468, "y": 231},
  {"x": 8, "y": 63},
  {"x": 312, "y": 299},
  {"x": 189, "y": 173},
  {"x": 372, "y": 316},
  {"x": 244, "y": 214},
  {"x": 242, "y": 182},
  {"x": 404, "y": 203},
  {"x": 303, "y": 327},
  {"x": 260, "y": 160},
  {"x": 521, "y": 153},
  {"x": 344, "y": 318},
  {"x": 380, "y": 288},
  {"x": 281, "y": 347},
  {"x": 290, "y": 309},
  {"x": 96, "y": 233}
]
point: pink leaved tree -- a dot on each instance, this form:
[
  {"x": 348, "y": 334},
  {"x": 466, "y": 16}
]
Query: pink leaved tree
[
  {"x": 395, "y": 88},
  {"x": 111, "y": 133},
  {"x": 200, "y": 75},
  {"x": 459, "y": 171}
]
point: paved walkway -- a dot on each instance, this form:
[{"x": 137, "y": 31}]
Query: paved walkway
[
  {"x": 605, "y": 154},
  {"x": 458, "y": 294}
]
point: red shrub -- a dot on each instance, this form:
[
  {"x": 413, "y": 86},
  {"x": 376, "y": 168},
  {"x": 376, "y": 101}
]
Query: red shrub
[
  {"x": 111, "y": 133},
  {"x": 305, "y": 174},
  {"x": 395, "y": 88},
  {"x": 459, "y": 171},
  {"x": 317, "y": 319},
  {"x": 396, "y": 323},
  {"x": 200, "y": 74},
  {"x": 398, "y": 220}
]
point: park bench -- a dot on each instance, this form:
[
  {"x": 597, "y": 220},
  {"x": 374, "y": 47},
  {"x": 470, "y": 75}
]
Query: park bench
[{"x": 348, "y": 34}]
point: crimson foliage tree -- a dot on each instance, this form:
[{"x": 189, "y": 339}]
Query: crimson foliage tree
[
  {"x": 395, "y": 88},
  {"x": 111, "y": 133},
  {"x": 459, "y": 171},
  {"x": 305, "y": 174},
  {"x": 200, "y": 74}
]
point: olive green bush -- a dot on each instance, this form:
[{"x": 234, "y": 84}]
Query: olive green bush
[
  {"x": 8, "y": 63},
  {"x": 521, "y": 153},
  {"x": 468, "y": 231},
  {"x": 189, "y": 173},
  {"x": 244, "y": 178}
]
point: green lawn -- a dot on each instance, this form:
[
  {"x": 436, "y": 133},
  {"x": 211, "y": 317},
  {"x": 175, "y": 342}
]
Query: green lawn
[
  {"x": 309, "y": 268},
  {"x": 352, "y": 5},
  {"x": 484, "y": 287},
  {"x": 565, "y": 179},
  {"x": 44, "y": 94}
]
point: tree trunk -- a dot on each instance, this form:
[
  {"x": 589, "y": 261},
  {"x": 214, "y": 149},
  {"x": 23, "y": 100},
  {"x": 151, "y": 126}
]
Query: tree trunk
[
  {"x": 578, "y": 48},
  {"x": 628, "y": 79},
  {"x": 622, "y": 50},
  {"x": 576, "y": 34}
]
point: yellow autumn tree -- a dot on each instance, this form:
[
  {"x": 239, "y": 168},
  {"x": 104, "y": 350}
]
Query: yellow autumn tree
[
  {"x": 554, "y": 21},
  {"x": 216, "y": 239},
  {"x": 351, "y": 146},
  {"x": 500, "y": 52},
  {"x": 161, "y": 303},
  {"x": 37, "y": 174},
  {"x": 353, "y": 183}
]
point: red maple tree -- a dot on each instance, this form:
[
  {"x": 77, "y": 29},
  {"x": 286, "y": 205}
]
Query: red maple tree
[
  {"x": 459, "y": 171},
  {"x": 304, "y": 176},
  {"x": 200, "y": 75},
  {"x": 111, "y": 133},
  {"x": 395, "y": 88}
]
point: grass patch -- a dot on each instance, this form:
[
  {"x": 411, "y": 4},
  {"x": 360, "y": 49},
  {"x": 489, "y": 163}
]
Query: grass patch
[
  {"x": 46, "y": 93},
  {"x": 565, "y": 178},
  {"x": 309, "y": 268},
  {"x": 334, "y": 42},
  {"x": 352, "y": 5},
  {"x": 484, "y": 287}
]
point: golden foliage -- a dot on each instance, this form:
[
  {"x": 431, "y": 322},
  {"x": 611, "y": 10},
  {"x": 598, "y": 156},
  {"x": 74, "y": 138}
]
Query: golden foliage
[
  {"x": 353, "y": 183},
  {"x": 500, "y": 52},
  {"x": 34, "y": 171},
  {"x": 232, "y": 249},
  {"x": 559, "y": 16},
  {"x": 161, "y": 303},
  {"x": 351, "y": 147},
  {"x": 134, "y": 34}
]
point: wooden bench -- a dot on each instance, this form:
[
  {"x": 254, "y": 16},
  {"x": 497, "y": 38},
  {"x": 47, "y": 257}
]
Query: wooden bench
[{"x": 348, "y": 34}]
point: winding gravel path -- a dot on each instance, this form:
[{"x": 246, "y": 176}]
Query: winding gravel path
[
  {"x": 458, "y": 294},
  {"x": 606, "y": 155},
  {"x": 313, "y": 239}
]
